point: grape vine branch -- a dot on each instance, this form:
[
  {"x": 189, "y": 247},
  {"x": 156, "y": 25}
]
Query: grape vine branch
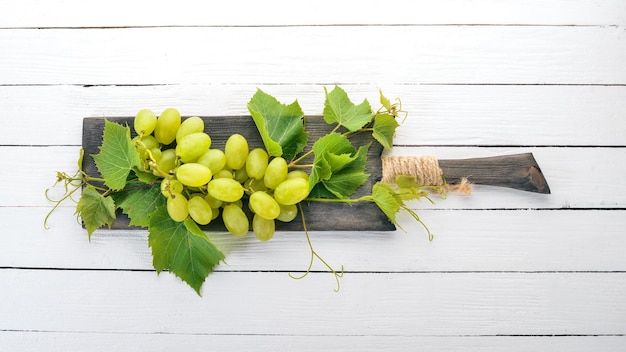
[{"x": 170, "y": 180}]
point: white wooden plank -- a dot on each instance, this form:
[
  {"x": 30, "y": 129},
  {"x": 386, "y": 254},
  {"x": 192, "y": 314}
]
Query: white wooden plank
[
  {"x": 438, "y": 115},
  {"x": 271, "y": 303},
  {"x": 420, "y": 54},
  {"x": 568, "y": 240},
  {"x": 521, "y": 115},
  {"x": 567, "y": 170},
  {"x": 74, "y": 13},
  {"x": 28, "y": 167},
  {"x": 36, "y": 341}
]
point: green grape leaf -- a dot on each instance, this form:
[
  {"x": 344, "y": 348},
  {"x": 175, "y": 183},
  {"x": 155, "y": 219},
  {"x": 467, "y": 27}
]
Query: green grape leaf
[
  {"x": 338, "y": 168},
  {"x": 391, "y": 201},
  {"x": 145, "y": 177},
  {"x": 320, "y": 171},
  {"x": 384, "y": 129},
  {"x": 387, "y": 200},
  {"x": 386, "y": 103},
  {"x": 339, "y": 109},
  {"x": 406, "y": 181},
  {"x": 117, "y": 155},
  {"x": 281, "y": 126},
  {"x": 332, "y": 143},
  {"x": 182, "y": 248},
  {"x": 319, "y": 191},
  {"x": 345, "y": 181},
  {"x": 138, "y": 203},
  {"x": 409, "y": 189},
  {"x": 95, "y": 209},
  {"x": 339, "y": 161},
  {"x": 342, "y": 185}
]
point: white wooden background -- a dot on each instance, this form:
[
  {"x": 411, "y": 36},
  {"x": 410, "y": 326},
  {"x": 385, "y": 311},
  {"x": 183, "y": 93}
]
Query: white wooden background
[{"x": 507, "y": 270}]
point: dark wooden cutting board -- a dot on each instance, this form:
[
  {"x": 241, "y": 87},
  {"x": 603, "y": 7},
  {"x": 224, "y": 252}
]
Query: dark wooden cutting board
[{"x": 319, "y": 216}]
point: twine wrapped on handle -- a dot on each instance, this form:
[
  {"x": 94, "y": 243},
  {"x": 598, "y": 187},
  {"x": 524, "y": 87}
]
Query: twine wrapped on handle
[{"x": 425, "y": 169}]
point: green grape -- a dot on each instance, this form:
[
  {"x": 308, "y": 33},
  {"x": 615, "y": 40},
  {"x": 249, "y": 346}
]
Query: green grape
[
  {"x": 190, "y": 125},
  {"x": 238, "y": 203},
  {"x": 249, "y": 207},
  {"x": 150, "y": 142},
  {"x": 240, "y": 175},
  {"x": 145, "y": 141},
  {"x": 193, "y": 175},
  {"x": 165, "y": 187},
  {"x": 177, "y": 207},
  {"x": 216, "y": 213},
  {"x": 214, "y": 203},
  {"x": 276, "y": 172},
  {"x": 176, "y": 186},
  {"x": 223, "y": 174},
  {"x": 142, "y": 143},
  {"x": 298, "y": 173},
  {"x": 291, "y": 191},
  {"x": 167, "y": 162},
  {"x": 192, "y": 146},
  {"x": 141, "y": 150},
  {"x": 225, "y": 189},
  {"x": 170, "y": 186},
  {"x": 256, "y": 163},
  {"x": 263, "y": 228},
  {"x": 235, "y": 220},
  {"x": 157, "y": 154},
  {"x": 254, "y": 185},
  {"x": 236, "y": 150},
  {"x": 167, "y": 126},
  {"x": 199, "y": 210},
  {"x": 264, "y": 205},
  {"x": 214, "y": 159},
  {"x": 287, "y": 212},
  {"x": 145, "y": 121}
]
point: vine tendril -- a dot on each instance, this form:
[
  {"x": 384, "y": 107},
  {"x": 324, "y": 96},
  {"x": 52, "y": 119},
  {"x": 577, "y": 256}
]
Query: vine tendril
[{"x": 314, "y": 254}]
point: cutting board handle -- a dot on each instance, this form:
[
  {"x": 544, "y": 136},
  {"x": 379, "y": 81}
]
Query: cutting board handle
[{"x": 517, "y": 171}]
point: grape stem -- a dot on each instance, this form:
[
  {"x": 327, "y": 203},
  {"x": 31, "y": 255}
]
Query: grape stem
[
  {"x": 86, "y": 178},
  {"x": 153, "y": 165},
  {"x": 335, "y": 129},
  {"x": 420, "y": 221},
  {"x": 68, "y": 181},
  {"x": 72, "y": 183},
  {"x": 342, "y": 200},
  {"x": 56, "y": 205},
  {"x": 294, "y": 162},
  {"x": 153, "y": 162},
  {"x": 314, "y": 255},
  {"x": 303, "y": 166},
  {"x": 352, "y": 134}
]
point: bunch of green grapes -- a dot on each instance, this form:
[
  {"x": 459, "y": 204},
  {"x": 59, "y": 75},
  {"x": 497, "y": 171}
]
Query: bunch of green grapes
[{"x": 201, "y": 182}]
